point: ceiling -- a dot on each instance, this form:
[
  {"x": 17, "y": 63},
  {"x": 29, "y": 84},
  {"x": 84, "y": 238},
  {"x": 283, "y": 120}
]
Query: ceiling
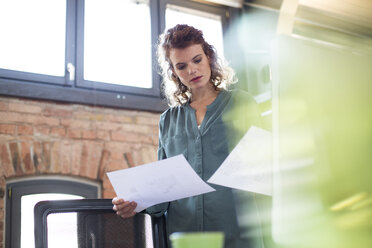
[{"x": 351, "y": 16}]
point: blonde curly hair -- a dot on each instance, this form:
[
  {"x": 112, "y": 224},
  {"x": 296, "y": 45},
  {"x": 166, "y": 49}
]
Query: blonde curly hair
[{"x": 182, "y": 36}]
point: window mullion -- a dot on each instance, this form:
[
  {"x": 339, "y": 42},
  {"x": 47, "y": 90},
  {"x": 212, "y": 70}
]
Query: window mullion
[{"x": 70, "y": 54}]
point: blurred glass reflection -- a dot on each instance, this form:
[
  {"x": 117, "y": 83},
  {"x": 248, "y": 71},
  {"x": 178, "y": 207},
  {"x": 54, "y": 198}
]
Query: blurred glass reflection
[
  {"x": 323, "y": 155},
  {"x": 321, "y": 83}
]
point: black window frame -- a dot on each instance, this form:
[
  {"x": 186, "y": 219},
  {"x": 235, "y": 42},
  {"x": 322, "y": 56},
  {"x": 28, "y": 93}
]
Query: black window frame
[
  {"x": 15, "y": 191},
  {"x": 45, "y": 87}
]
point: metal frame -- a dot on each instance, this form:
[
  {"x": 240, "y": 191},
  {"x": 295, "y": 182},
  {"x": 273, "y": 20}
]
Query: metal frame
[{"x": 44, "y": 208}]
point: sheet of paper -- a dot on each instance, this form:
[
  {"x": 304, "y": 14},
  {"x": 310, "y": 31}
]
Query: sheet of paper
[
  {"x": 249, "y": 165},
  {"x": 161, "y": 181}
]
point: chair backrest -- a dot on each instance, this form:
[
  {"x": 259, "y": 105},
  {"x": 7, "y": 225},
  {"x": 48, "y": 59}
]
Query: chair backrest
[{"x": 93, "y": 223}]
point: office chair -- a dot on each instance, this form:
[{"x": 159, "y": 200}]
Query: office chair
[{"x": 94, "y": 225}]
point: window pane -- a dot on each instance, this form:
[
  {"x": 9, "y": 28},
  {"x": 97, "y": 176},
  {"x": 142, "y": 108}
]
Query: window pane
[
  {"x": 33, "y": 36},
  {"x": 28, "y": 203},
  {"x": 62, "y": 230},
  {"x": 117, "y": 42},
  {"x": 210, "y": 24}
]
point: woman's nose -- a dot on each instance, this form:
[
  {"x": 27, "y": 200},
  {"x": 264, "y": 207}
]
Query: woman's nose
[{"x": 192, "y": 69}]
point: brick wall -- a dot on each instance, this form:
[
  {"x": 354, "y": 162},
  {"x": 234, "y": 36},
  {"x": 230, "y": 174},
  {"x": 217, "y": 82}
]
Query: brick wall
[{"x": 47, "y": 138}]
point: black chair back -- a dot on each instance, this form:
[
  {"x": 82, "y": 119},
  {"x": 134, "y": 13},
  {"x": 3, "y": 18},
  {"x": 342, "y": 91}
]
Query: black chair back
[{"x": 95, "y": 225}]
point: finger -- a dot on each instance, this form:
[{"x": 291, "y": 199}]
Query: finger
[
  {"x": 126, "y": 206},
  {"x": 122, "y": 205},
  {"x": 128, "y": 210},
  {"x": 117, "y": 200},
  {"x": 127, "y": 215}
]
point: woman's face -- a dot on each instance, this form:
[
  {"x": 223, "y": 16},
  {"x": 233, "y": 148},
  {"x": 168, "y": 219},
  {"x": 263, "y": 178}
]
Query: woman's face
[{"x": 191, "y": 65}]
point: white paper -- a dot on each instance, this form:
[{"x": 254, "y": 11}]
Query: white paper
[
  {"x": 161, "y": 181},
  {"x": 249, "y": 165}
]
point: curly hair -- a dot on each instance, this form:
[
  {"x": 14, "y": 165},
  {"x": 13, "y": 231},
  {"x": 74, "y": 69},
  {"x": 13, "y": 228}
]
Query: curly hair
[{"x": 179, "y": 37}]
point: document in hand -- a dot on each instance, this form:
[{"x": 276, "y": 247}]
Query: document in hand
[
  {"x": 249, "y": 165},
  {"x": 161, "y": 181}
]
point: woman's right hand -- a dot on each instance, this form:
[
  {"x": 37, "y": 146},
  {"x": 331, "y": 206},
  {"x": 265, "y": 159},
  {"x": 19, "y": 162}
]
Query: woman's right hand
[{"x": 124, "y": 209}]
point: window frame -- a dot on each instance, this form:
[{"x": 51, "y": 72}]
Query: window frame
[
  {"x": 81, "y": 82},
  {"x": 213, "y": 9},
  {"x": 15, "y": 191},
  {"x": 46, "y": 87}
]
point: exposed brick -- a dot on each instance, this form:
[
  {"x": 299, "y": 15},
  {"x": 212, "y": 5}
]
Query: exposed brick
[
  {"x": 147, "y": 120},
  {"x": 42, "y": 120},
  {"x": 3, "y": 106},
  {"x": 120, "y": 118},
  {"x": 105, "y": 159},
  {"x": 117, "y": 149},
  {"x": 47, "y": 155},
  {"x": 154, "y": 130},
  {"x": 114, "y": 165},
  {"x": 57, "y": 112},
  {"x": 155, "y": 140},
  {"x": 74, "y": 133},
  {"x": 25, "y": 130},
  {"x": 24, "y": 108},
  {"x": 58, "y": 131},
  {"x": 149, "y": 154},
  {"x": 65, "y": 157},
  {"x": 74, "y": 139},
  {"x": 6, "y": 161},
  {"x": 76, "y": 153},
  {"x": 8, "y": 129},
  {"x": 106, "y": 184},
  {"x": 146, "y": 139},
  {"x": 103, "y": 135},
  {"x": 13, "y": 117},
  {"x": 6, "y": 138},
  {"x": 89, "y": 134},
  {"x": 26, "y": 155},
  {"x": 25, "y": 138},
  {"x": 131, "y": 137},
  {"x": 55, "y": 163},
  {"x": 137, "y": 157},
  {"x": 84, "y": 115},
  {"x": 2, "y": 185},
  {"x": 107, "y": 126},
  {"x": 38, "y": 157},
  {"x": 41, "y": 130},
  {"x": 109, "y": 193},
  {"x": 16, "y": 158},
  {"x": 129, "y": 159},
  {"x": 75, "y": 123},
  {"x": 91, "y": 156},
  {"x": 144, "y": 129},
  {"x": 119, "y": 136}
]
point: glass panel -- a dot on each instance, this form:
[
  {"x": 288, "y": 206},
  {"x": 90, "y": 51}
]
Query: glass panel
[
  {"x": 62, "y": 230},
  {"x": 115, "y": 50},
  {"x": 33, "y": 36},
  {"x": 210, "y": 24},
  {"x": 28, "y": 203}
]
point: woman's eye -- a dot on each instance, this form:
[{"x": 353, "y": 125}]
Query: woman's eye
[
  {"x": 181, "y": 67},
  {"x": 197, "y": 61}
]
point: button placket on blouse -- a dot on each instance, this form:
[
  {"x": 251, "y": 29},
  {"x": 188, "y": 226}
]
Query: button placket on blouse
[{"x": 199, "y": 201}]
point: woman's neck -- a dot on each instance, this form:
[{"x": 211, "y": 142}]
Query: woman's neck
[{"x": 202, "y": 95}]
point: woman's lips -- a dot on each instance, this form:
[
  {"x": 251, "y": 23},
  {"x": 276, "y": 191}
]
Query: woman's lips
[{"x": 195, "y": 79}]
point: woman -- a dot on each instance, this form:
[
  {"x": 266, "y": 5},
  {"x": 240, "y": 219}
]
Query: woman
[{"x": 204, "y": 122}]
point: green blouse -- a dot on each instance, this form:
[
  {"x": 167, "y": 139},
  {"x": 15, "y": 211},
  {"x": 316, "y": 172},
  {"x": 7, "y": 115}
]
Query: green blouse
[{"x": 205, "y": 148}]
